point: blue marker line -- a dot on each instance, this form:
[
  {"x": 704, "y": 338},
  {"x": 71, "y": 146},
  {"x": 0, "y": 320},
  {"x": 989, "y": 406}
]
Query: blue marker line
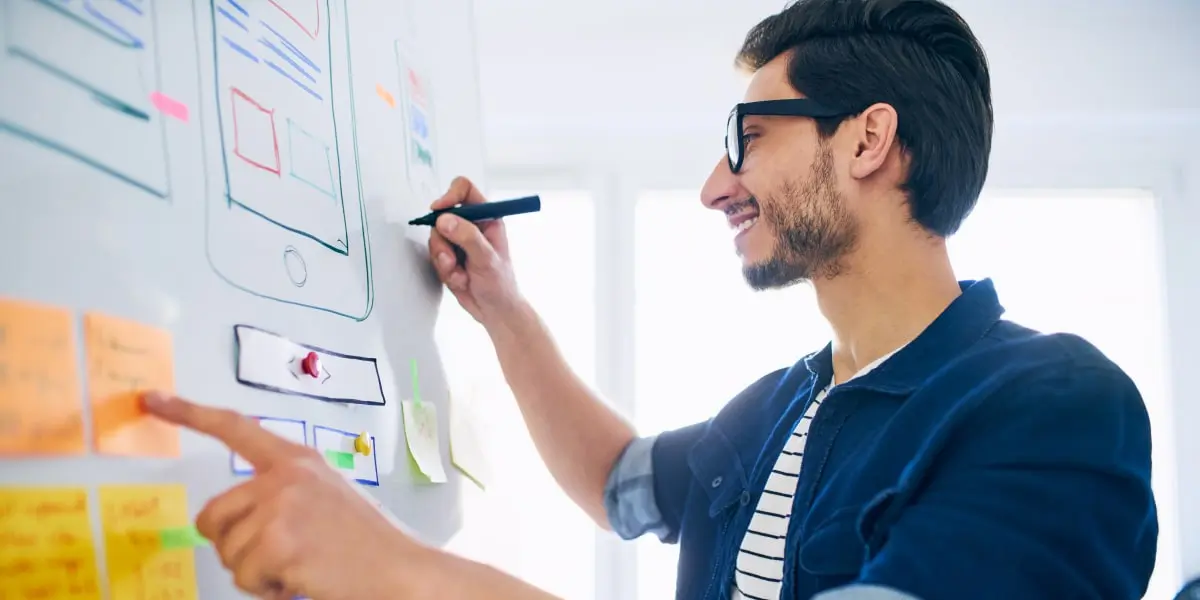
[
  {"x": 131, "y": 39},
  {"x": 291, "y": 47},
  {"x": 233, "y": 19},
  {"x": 238, "y": 7},
  {"x": 289, "y": 60},
  {"x": 238, "y": 47},
  {"x": 294, "y": 80},
  {"x": 131, "y": 6}
]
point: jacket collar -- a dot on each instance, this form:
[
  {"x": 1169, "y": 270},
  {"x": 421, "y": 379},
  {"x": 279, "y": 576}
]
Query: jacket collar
[{"x": 968, "y": 318}]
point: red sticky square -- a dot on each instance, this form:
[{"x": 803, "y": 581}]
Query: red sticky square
[{"x": 254, "y": 137}]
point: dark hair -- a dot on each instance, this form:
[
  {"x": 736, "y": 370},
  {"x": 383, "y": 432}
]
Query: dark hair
[{"x": 920, "y": 57}]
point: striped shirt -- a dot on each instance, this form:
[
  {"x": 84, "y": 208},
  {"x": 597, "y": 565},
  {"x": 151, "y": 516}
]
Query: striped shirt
[{"x": 759, "y": 570}]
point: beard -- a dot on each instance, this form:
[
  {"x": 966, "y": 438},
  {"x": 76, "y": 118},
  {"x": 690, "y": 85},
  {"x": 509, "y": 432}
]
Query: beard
[{"x": 813, "y": 230}]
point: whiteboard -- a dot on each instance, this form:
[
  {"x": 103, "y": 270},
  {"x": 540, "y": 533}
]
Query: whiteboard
[{"x": 224, "y": 185}]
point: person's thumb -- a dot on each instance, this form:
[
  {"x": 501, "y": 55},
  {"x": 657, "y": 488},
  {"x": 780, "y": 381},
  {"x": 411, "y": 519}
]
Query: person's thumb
[{"x": 466, "y": 235}]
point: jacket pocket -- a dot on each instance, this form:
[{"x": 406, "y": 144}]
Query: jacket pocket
[
  {"x": 834, "y": 548},
  {"x": 718, "y": 470}
]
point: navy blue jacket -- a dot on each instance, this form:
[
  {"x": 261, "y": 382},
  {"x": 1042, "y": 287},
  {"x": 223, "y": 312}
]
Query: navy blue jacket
[{"x": 984, "y": 460}]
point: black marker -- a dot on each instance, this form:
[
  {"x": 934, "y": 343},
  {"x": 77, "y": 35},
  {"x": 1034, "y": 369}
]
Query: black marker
[{"x": 485, "y": 211}]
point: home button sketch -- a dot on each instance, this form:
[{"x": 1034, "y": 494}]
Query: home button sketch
[{"x": 297, "y": 270}]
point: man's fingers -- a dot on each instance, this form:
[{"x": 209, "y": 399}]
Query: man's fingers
[
  {"x": 461, "y": 191},
  {"x": 241, "y": 434},
  {"x": 218, "y": 517},
  {"x": 466, "y": 235}
]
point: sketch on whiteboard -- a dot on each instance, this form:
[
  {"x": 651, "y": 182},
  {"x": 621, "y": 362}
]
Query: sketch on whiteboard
[
  {"x": 420, "y": 131},
  {"x": 98, "y": 60},
  {"x": 286, "y": 214}
]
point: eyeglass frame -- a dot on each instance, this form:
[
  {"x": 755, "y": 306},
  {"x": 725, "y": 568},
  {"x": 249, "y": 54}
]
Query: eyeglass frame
[{"x": 784, "y": 107}]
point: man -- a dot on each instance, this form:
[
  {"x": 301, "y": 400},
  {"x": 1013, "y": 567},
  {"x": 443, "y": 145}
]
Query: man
[{"x": 931, "y": 450}]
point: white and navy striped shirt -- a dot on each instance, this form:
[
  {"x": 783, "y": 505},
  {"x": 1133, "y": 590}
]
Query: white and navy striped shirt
[{"x": 759, "y": 569}]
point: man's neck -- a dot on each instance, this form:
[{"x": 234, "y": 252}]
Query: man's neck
[{"x": 880, "y": 303}]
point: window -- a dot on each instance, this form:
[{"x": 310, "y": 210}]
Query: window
[
  {"x": 1086, "y": 263},
  {"x": 524, "y": 524}
]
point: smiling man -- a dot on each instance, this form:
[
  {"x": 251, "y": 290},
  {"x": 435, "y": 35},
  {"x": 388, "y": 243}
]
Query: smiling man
[{"x": 931, "y": 450}]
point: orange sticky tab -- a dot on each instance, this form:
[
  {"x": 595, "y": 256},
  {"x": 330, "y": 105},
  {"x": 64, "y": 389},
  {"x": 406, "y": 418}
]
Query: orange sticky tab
[
  {"x": 40, "y": 407},
  {"x": 46, "y": 548},
  {"x": 124, "y": 359},
  {"x": 386, "y": 95},
  {"x": 133, "y": 518}
]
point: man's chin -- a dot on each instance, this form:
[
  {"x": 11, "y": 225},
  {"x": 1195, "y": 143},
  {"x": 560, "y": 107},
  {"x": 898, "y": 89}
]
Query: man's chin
[{"x": 771, "y": 274}]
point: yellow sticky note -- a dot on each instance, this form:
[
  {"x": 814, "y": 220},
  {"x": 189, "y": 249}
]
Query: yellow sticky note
[
  {"x": 125, "y": 358},
  {"x": 41, "y": 411},
  {"x": 140, "y": 565},
  {"x": 421, "y": 433},
  {"x": 466, "y": 447},
  {"x": 46, "y": 548}
]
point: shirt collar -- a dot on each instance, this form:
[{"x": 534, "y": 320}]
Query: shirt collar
[{"x": 968, "y": 318}]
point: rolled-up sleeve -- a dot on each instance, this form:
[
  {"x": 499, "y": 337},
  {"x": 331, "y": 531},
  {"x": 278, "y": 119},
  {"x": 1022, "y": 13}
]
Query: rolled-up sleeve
[{"x": 629, "y": 493}]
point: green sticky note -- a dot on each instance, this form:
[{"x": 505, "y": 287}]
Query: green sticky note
[
  {"x": 341, "y": 460},
  {"x": 181, "y": 537}
]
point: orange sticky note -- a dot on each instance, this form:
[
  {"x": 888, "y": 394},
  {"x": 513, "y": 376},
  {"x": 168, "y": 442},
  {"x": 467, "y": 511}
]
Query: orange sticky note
[
  {"x": 386, "y": 95},
  {"x": 124, "y": 359},
  {"x": 46, "y": 548},
  {"x": 133, "y": 519},
  {"x": 41, "y": 411}
]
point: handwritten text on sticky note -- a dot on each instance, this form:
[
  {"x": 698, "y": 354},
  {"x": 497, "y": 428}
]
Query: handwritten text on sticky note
[
  {"x": 142, "y": 525},
  {"x": 41, "y": 411},
  {"x": 421, "y": 431},
  {"x": 46, "y": 548},
  {"x": 125, "y": 358}
]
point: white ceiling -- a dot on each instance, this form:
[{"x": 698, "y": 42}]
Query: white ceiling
[{"x": 569, "y": 68}]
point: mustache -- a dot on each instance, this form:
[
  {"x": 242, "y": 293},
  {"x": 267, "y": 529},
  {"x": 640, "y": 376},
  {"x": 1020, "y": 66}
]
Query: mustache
[{"x": 737, "y": 207}]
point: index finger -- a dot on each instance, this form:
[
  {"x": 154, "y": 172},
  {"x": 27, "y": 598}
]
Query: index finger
[
  {"x": 461, "y": 191},
  {"x": 241, "y": 434}
]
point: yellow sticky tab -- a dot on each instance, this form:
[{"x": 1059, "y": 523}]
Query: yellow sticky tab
[
  {"x": 140, "y": 565},
  {"x": 46, "y": 548}
]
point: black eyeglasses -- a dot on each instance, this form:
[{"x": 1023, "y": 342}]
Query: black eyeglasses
[{"x": 735, "y": 141}]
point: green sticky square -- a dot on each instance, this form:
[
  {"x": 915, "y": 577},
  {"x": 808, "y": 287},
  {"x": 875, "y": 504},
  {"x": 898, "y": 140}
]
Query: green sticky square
[
  {"x": 341, "y": 460},
  {"x": 177, "y": 538}
]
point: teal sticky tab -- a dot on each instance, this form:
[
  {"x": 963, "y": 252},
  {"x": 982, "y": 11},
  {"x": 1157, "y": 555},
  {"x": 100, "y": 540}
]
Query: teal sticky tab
[
  {"x": 181, "y": 537},
  {"x": 341, "y": 460}
]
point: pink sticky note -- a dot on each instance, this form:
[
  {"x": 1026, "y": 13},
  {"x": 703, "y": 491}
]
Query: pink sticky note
[{"x": 169, "y": 106}]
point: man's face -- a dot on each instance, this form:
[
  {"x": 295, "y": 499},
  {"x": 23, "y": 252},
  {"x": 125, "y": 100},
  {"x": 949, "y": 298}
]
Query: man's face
[{"x": 790, "y": 222}]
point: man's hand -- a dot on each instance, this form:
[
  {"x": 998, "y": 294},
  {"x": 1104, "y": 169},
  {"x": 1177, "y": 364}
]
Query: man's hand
[
  {"x": 297, "y": 528},
  {"x": 483, "y": 283}
]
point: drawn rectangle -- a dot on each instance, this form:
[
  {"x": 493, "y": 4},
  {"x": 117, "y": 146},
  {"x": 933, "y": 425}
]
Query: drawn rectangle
[
  {"x": 420, "y": 129},
  {"x": 293, "y": 430},
  {"x": 254, "y": 138},
  {"x": 365, "y": 469},
  {"x": 99, "y": 62},
  {"x": 271, "y": 362},
  {"x": 309, "y": 158}
]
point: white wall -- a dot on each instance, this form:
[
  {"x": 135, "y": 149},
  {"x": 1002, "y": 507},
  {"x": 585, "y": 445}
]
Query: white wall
[{"x": 1088, "y": 94}]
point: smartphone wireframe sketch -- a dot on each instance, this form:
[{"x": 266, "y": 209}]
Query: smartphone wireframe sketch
[
  {"x": 286, "y": 217},
  {"x": 420, "y": 125}
]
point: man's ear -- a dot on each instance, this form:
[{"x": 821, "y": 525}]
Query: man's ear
[{"x": 875, "y": 132}]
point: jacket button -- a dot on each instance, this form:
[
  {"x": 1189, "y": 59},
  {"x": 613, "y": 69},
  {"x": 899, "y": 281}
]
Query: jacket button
[
  {"x": 745, "y": 498},
  {"x": 717, "y": 482}
]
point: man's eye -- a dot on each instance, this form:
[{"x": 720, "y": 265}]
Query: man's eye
[{"x": 746, "y": 137}]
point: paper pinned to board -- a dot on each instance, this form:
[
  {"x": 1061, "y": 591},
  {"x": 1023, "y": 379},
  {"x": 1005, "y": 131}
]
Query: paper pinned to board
[
  {"x": 148, "y": 541},
  {"x": 466, "y": 444},
  {"x": 124, "y": 359},
  {"x": 46, "y": 550},
  {"x": 40, "y": 408},
  {"x": 421, "y": 434}
]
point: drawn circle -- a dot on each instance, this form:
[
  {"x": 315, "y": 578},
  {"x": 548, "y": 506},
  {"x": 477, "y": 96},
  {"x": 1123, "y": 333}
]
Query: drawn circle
[{"x": 297, "y": 270}]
